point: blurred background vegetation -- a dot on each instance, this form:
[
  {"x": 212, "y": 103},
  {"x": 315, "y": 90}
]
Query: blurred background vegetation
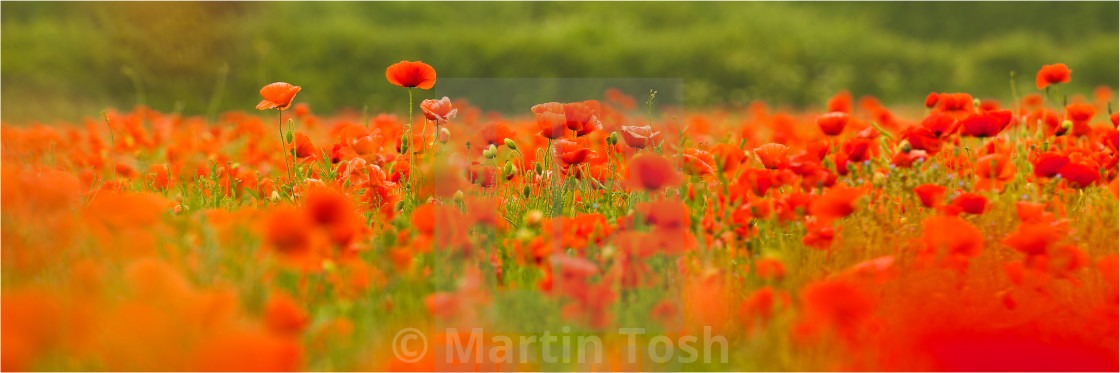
[{"x": 68, "y": 60}]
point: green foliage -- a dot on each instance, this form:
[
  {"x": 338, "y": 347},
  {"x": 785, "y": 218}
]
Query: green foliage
[{"x": 68, "y": 60}]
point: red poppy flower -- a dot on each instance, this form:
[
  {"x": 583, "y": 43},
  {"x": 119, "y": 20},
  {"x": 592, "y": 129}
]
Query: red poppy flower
[
  {"x": 410, "y": 74},
  {"x": 482, "y": 175},
  {"x": 956, "y": 104},
  {"x": 550, "y": 119},
  {"x": 835, "y": 203},
  {"x": 582, "y": 117},
  {"x": 930, "y": 194},
  {"x": 1080, "y": 112},
  {"x": 571, "y": 152},
  {"x": 495, "y": 133},
  {"x": 939, "y": 124},
  {"x": 1052, "y": 74},
  {"x": 987, "y": 124},
  {"x": 303, "y": 146},
  {"x": 638, "y": 137},
  {"x": 1079, "y": 174},
  {"x": 652, "y": 172},
  {"x": 438, "y": 109},
  {"x": 772, "y": 155},
  {"x": 953, "y": 235},
  {"x": 921, "y": 138},
  {"x": 1048, "y": 164},
  {"x": 277, "y": 95},
  {"x": 729, "y": 156},
  {"x": 698, "y": 162},
  {"x": 1033, "y": 238},
  {"x": 769, "y": 269},
  {"x": 994, "y": 170},
  {"x": 971, "y": 203},
  {"x": 931, "y": 100},
  {"x": 833, "y": 123},
  {"x": 841, "y": 102}
]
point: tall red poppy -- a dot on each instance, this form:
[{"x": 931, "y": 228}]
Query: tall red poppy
[
  {"x": 930, "y": 194},
  {"x": 833, "y": 123},
  {"x": 1052, "y": 74},
  {"x": 410, "y": 74},
  {"x": 277, "y": 95},
  {"x": 772, "y": 155},
  {"x": 652, "y": 172}
]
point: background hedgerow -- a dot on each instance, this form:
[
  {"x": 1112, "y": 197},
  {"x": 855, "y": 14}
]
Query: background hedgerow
[{"x": 67, "y": 60}]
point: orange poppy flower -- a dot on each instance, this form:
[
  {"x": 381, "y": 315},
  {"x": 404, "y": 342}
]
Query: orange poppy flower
[
  {"x": 833, "y": 123},
  {"x": 930, "y": 194},
  {"x": 277, "y": 95},
  {"x": 729, "y": 156},
  {"x": 571, "y": 152},
  {"x": 652, "y": 172},
  {"x": 971, "y": 203},
  {"x": 1052, "y": 74},
  {"x": 953, "y": 235},
  {"x": 835, "y": 203},
  {"x": 994, "y": 170},
  {"x": 550, "y": 119},
  {"x": 438, "y": 110},
  {"x": 638, "y": 137},
  {"x": 772, "y": 155},
  {"x": 698, "y": 162},
  {"x": 1080, "y": 174},
  {"x": 410, "y": 74}
]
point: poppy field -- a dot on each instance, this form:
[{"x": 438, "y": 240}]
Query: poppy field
[{"x": 958, "y": 233}]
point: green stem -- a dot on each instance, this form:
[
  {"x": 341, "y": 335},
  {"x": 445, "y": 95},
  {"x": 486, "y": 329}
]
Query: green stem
[{"x": 283, "y": 144}]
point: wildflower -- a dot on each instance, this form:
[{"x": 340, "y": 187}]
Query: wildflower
[
  {"x": 931, "y": 195},
  {"x": 277, "y": 95},
  {"x": 438, "y": 110},
  {"x": 833, "y": 123},
  {"x": 772, "y": 155},
  {"x": 1052, "y": 74},
  {"x": 411, "y": 74},
  {"x": 652, "y": 172},
  {"x": 638, "y": 137}
]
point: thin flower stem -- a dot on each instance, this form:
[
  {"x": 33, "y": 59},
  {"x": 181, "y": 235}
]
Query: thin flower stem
[{"x": 283, "y": 144}]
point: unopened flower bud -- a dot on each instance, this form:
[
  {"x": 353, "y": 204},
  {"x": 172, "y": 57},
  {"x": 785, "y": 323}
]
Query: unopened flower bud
[
  {"x": 444, "y": 135},
  {"x": 905, "y": 146},
  {"x": 1066, "y": 126},
  {"x": 533, "y": 218},
  {"x": 612, "y": 139},
  {"x": 458, "y": 196},
  {"x": 510, "y": 144}
]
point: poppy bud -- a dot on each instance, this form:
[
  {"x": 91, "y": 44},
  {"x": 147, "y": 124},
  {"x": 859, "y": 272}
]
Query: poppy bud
[
  {"x": 524, "y": 235},
  {"x": 346, "y": 184},
  {"x": 976, "y": 103},
  {"x": 510, "y": 144},
  {"x": 508, "y": 169},
  {"x": 275, "y": 196},
  {"x": 613, "y": 138},
  {"x": 905, "y": 146},
  {"x": 533, "y": 218},
  {"x": 399, "y": 206},
  {"x": 288, "y": 137},
  {"x": 444, "y": 135},
  {"x": 488, "y": 154},
  {"x": 404, "y": 144},
  {"x": 526, "y": 191},
  {"x": 458, "y": 196},
  {"x": 539, "y": 169},
  {"x": 329, "y": 266},
  {"x": 1066, "y": 126},
  {"x": 493, "y": 149}
]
